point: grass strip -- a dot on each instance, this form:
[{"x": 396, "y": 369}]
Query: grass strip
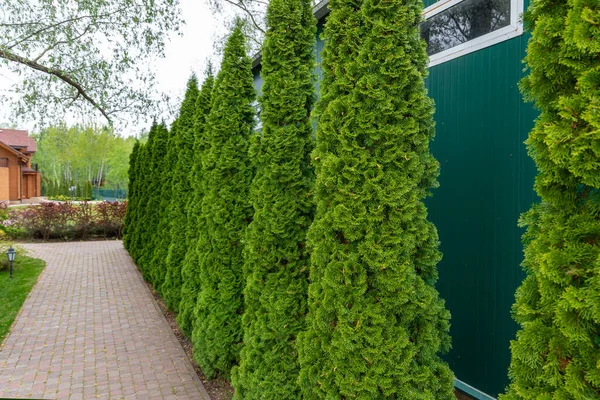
[{"x": 13, "y": 292}]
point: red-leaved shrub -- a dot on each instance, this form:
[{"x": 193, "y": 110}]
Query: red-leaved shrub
[{"x": 71, "y": 220}]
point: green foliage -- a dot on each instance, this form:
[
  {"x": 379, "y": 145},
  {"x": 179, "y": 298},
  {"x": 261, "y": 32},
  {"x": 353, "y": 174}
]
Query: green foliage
[
  {"x": 75, "y": 155},
  {"x": 181, "y": 194},
  {"x": 89, "y": 57},
  {"x": 134, "y": 198},
  {"x": 160, "y": 238},
  {"x": 13, "y": 292},
  {"x": 226, "y": 212},
  {"x": 557, "y": 351},
  {"x": 276, "y": 260},
  {"x": 152, "y": 206},
  {"x": 190, "y": 270},
  {"x": 376, "y": 323}
]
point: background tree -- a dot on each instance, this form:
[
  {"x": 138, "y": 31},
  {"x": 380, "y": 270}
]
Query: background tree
[
  {"x": 181, "y": 193},
  {"x": 79, "y": 154},
  {"x": 190, "y": 270},
  {"x": 276, "y": 260},
  {"x": 85, "y": 56},
  {"x": 557, "y": 351},
  {"x": 226, "y": 212},
  {"x": 376, "y": 323}
]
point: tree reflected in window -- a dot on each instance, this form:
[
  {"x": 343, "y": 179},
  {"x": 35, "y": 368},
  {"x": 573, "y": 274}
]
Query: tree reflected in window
[{"x": 465, "y": 21}]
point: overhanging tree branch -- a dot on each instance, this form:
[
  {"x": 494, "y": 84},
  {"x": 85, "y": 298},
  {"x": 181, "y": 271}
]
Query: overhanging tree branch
[
  {"x": 7, "y": 55},
  {"x": 240, "y": 4}
]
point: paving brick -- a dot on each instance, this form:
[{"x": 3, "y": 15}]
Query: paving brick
[{"x": 91, "y": 328}]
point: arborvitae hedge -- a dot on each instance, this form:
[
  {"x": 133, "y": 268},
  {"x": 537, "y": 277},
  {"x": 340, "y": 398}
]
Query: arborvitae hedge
[
  {"x": 557, "y": 351},
  {"x": 161, "y": 237},
  {"x": 151, "y": 210},
  {"x": 183, "y": 144},
  {"x": 189, "y": 271},
  {"x": 133, "y": 200},
  {"x": 276, "y": 259},
  {"x": 226, "y": 212},
  {"x": 376, "y": 322},
  {"x": 142, "y": 192}
]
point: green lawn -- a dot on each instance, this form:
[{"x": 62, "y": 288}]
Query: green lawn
[{"x": 14, "y": 291}]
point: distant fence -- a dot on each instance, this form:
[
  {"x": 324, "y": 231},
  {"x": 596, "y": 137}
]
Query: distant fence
[{"x": 109, "y": 194}]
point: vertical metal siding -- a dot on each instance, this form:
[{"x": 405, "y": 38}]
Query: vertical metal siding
[{"x": 486, "y": 182}]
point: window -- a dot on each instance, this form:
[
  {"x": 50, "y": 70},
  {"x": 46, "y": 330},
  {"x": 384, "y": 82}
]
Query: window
[
  {"x": 258, "y": 122},
  {"x": 453, "y": 28},
  {"x": 3, "y": 162}
]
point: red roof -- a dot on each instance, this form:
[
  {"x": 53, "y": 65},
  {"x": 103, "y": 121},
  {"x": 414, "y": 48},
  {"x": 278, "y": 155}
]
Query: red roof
[{"x": 18, "y": 138}]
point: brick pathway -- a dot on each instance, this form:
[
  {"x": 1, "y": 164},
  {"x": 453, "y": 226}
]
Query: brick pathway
[{"x": 91, "y": 329}]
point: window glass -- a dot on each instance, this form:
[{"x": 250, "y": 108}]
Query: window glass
[{"x": 463, "y": 22}]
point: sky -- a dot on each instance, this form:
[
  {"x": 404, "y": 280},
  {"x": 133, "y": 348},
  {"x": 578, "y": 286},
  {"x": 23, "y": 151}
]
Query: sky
[{"x": 184, "y": 55}]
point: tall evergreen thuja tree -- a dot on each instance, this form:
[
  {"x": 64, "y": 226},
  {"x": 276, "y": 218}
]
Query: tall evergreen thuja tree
[
  {"x": 183, "y": 144},
  {"x": 276, "y": 259},
  {"x": 226, "y": 212},
  {"x": 161, "y": 236},
  {"x": 150, "y": 209},
  {"x": 133, "y": 200},
  {"x": 557, "y": 351},
  {"x": 190, "y": 270},
  {"x": 143, "y": 167},
  {"x": 376, "y": 322}
]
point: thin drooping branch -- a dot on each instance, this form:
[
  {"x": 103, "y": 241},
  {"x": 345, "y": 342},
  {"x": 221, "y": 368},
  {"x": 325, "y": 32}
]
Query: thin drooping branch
[
  {"x": 20, "y": 40},
  {"x": 7, "y": 55},
  {"x": 55, "y": 45},
  {"x": 242, "y": 6}
]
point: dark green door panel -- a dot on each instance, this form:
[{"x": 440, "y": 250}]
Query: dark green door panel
[{"x": 486, "y": 181}]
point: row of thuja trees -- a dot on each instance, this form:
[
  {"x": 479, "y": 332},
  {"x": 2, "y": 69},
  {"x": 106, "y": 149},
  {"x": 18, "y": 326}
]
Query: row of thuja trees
[
  {"x": 229, "y": 223},
  {"x": 303, "y": 267}
]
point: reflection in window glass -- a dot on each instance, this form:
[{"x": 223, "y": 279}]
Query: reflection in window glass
[{"x": 465, "y": 21}]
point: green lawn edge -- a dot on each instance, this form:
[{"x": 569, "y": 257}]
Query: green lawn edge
[{"x": 13, "y": 292}]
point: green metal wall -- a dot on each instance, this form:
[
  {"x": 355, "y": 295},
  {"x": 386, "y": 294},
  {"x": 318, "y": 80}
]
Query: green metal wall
[{"x": 486, "y": 182}]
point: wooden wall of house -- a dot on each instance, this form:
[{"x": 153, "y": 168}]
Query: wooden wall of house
[
  {"x": 4, "y": 192},
  {"x": 14, "y": 174}
]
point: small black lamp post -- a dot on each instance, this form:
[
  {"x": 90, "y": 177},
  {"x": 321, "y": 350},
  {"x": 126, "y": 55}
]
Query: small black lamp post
[{"x": 11, "y": 253}]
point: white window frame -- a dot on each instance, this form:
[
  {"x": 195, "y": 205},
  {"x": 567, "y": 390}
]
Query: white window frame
[{"x": 514, "y": 29}]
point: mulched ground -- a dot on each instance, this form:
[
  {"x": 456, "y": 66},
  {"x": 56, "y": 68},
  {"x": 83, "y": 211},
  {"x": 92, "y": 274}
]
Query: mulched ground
[{"x": 219, "y": 388}]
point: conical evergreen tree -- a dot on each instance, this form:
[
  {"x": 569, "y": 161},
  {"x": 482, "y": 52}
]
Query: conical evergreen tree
[
  {"x": 190, "y": 269},
  {"x": 376, "y": 323},
  {"x": 161, "y": 237},
  {"x": 557, "y": 351},
  {"x": 226, "y": 212},
  {"x": 182, "y": 191},
  {"x": 276, "y": 260},
  {"x": 153, "y": 207},
  {"x": 132, "y": 203},
  {"x": 144, "y": 164}
]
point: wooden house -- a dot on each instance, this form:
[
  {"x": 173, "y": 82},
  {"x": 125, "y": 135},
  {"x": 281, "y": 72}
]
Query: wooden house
[{"x": 19, "y": 178}]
